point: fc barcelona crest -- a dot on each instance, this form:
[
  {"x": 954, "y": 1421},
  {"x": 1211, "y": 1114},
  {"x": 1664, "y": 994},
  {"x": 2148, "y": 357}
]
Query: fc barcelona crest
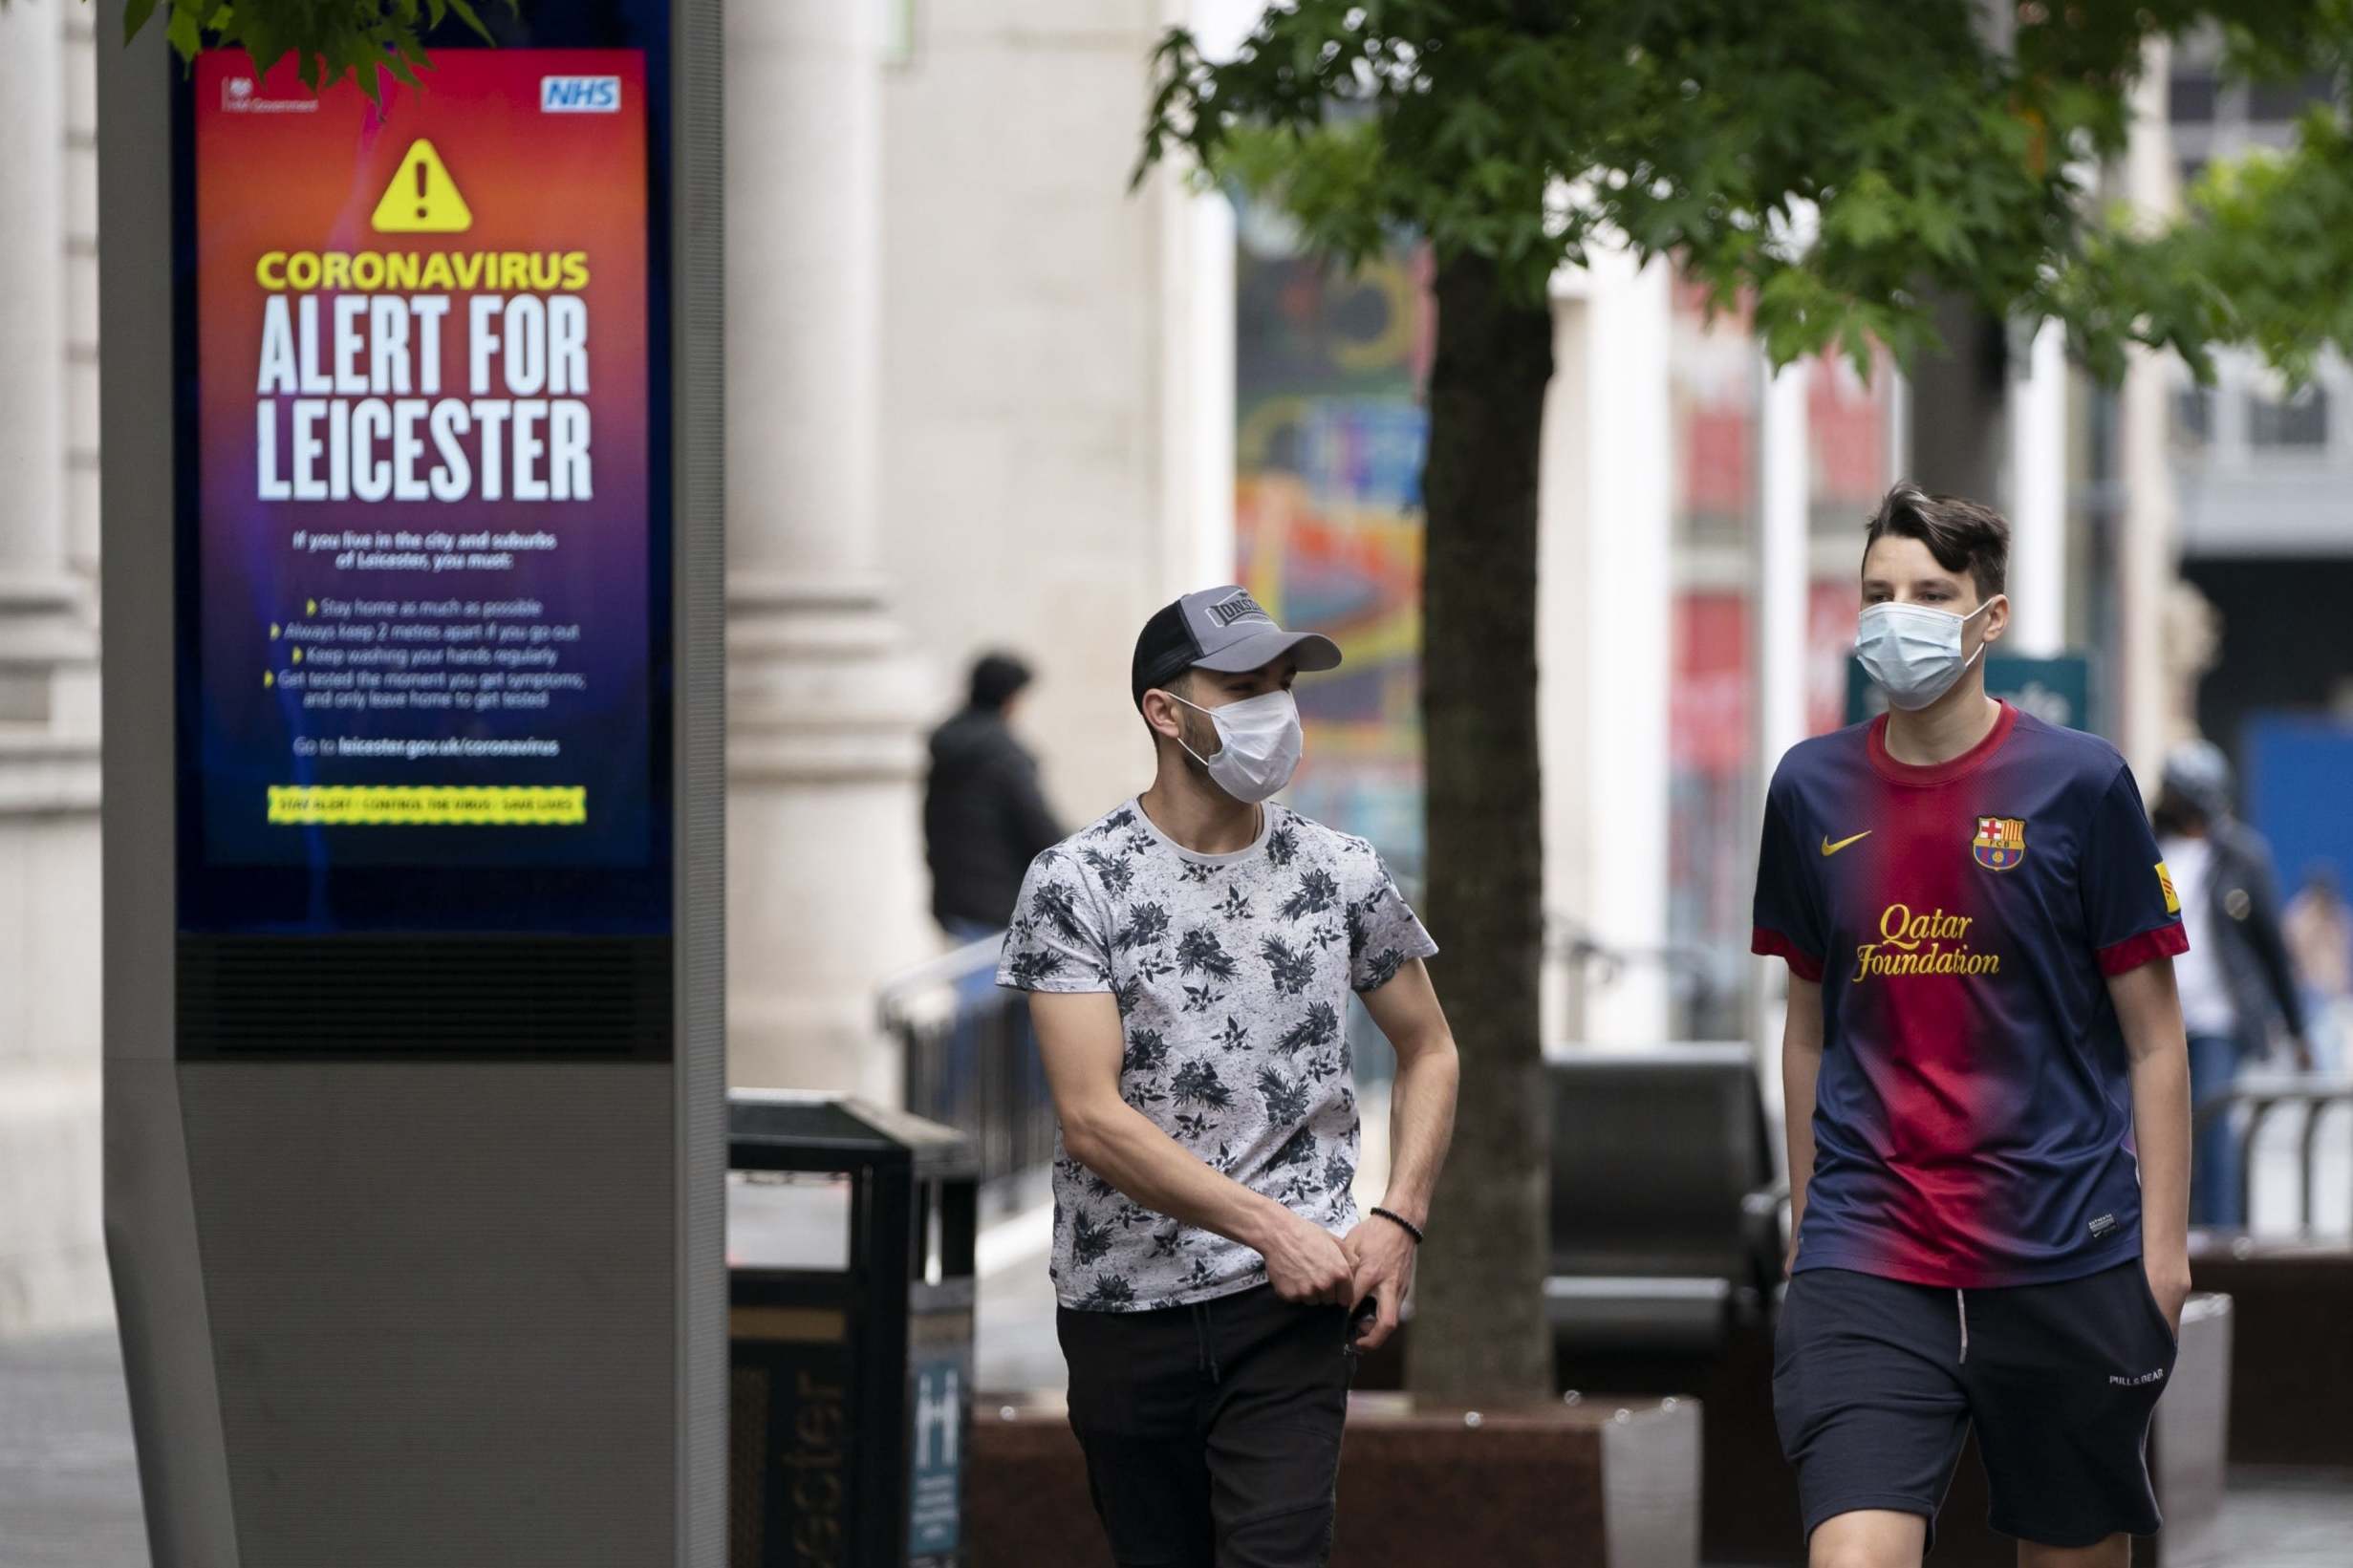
[{"x": 2000, "y": 842}]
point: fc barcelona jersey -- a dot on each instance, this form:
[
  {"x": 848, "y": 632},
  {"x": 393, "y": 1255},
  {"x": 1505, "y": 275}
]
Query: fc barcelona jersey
[{"x": 1973, "y": 1122}]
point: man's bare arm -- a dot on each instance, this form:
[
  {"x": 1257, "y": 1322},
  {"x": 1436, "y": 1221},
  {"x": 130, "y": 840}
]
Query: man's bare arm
[
  {"x": 1080, "y": 1040},
  {"x": 2150, "y": 1009},
  {"x": 1421, "y": 1101},
  {"x": 1801, "y": 1066},
  {"x": 1421, "y": 1125}
]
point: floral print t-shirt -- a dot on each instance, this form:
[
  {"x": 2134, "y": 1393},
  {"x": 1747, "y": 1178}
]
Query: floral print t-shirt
[{"x": 1232, "y": 974}]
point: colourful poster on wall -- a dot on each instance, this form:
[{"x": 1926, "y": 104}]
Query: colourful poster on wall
[
  {"x": 423, "y": 582},
  {"x": 1329, "y": 373}
]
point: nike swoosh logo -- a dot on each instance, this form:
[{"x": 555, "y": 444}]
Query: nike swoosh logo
[{"x": 1829, "y": 848}]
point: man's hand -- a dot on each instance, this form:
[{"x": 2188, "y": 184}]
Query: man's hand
[
  {"x": 1383, "y": 1257},
  {"x": 2168, "y": 1281},
  {"x": 1305, "y": 1262}
]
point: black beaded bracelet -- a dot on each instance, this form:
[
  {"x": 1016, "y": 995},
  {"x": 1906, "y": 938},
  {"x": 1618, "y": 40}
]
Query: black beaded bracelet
[{"x": 1410, "y": 1229}]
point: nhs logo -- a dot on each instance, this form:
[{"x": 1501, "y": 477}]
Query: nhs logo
[{"x": 579, "y": 95}]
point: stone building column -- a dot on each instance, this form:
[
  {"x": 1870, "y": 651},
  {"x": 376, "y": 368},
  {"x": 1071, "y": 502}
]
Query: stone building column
[
  {"x": 2147, "y": 528},
  {"x": 1779, "y": 545},
  {"x": 53, "y": 1256},
  {"x": 43, "y": 627},
  {"x": 2037, "y": 500},
  {"x": 826, "y": 888},
  {"x": 81, "y": 295},
  {"x": 1605, "y": 623},
  {"x": 53, "y": 1249}
]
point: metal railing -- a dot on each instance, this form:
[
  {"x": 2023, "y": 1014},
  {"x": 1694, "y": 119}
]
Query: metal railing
[
  {"x": 1703, "y": 984},
  {"x": 968, "y": 1060},
  {"x": 2263, "y": 1093}
]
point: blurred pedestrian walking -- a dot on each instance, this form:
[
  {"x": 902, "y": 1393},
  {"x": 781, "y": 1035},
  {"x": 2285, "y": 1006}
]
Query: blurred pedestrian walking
[
  {"x": 2235, "y": 979},
  {"x": 2320, "y": 935},
  {"x": 984, "y": 816}
]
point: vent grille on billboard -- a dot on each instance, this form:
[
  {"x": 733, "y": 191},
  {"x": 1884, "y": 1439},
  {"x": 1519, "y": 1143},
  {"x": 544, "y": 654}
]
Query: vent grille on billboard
[{"x": 477, "y": 998}]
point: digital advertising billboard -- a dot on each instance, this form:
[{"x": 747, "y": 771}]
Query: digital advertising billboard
[
  {"x": 413, "y": 788},
  {"x": 422, "y": 550}
]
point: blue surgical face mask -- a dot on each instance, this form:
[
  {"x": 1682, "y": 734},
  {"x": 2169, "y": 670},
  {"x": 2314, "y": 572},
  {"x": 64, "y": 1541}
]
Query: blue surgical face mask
[{"x": 1914, "y": 650}]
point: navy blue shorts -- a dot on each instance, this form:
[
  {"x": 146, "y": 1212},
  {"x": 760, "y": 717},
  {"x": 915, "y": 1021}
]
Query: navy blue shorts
[{"x": 1876, "y": 1383}]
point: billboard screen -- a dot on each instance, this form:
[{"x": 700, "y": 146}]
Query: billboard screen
[{"x": 424, "y": 501}]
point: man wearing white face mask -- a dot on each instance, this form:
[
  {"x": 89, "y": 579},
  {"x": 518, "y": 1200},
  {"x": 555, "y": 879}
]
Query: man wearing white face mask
[
  {"x": 1987, "y": 1088},
  {"x": 1188, "y": 958}
]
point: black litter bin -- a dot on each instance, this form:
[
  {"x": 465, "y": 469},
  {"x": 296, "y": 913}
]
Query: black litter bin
[{"x": 850, "y": 1253}]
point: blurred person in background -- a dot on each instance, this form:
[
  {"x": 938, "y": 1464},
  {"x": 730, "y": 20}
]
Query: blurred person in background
[
  {"x": 1983, "y": 1033},
  {"x": 2236, "y": 978},
  {"x": 2320, "y": 935},
  {"x": 984, "y": 816},
  {"x": 1188, "y": 958}
]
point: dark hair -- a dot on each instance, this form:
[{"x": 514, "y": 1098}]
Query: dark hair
[
  {"x": 2173, "y": 814},
  {"x": 1962, "y": 535},
  {"x": 1180, "y": 684},
  {"x": 996, "y": 678}
]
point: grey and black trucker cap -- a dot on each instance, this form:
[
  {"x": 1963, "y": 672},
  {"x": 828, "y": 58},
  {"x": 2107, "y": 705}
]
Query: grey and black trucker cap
[{"x": 1218, "y": 629}]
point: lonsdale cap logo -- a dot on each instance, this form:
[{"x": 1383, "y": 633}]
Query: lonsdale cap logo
[
  {"x": 1235, "y": 606},
  {"x": 422, "y": 198}
]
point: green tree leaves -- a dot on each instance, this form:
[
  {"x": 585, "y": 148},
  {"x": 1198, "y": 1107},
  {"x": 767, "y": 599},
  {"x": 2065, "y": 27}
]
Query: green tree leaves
[
  {"x": 1838, "y": 162},
  {"x": 331, "y": 40},
  {"x": 2263, "y": 256}
]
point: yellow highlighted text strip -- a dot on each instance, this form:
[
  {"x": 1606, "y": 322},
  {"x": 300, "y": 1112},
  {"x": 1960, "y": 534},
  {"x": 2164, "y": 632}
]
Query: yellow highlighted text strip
[{"x": 430, "y": 806}]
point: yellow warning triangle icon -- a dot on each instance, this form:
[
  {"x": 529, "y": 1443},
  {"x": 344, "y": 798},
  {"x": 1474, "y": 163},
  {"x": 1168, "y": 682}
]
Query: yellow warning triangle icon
[{"x": 422, "y": 198}]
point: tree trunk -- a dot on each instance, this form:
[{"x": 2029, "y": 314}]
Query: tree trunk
[
  {"x": 1959, "y": 399},
  {"x": 1479, "y": 1335}
]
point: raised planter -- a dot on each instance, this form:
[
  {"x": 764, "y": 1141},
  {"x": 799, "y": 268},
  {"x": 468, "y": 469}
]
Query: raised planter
[
  {"x": 1748, "y": 1492},
  {"x": 1610, "y": 1484},
  {"x": 2295, "y": 1353}
]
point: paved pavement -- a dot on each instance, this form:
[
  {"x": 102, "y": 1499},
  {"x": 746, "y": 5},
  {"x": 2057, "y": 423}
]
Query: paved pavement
[
  {"x": 69, "y": 1483},
  {"x": 69, "y": 1488}
]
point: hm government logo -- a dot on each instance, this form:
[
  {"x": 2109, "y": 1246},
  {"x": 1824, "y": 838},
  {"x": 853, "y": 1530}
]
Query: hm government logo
[
  {"x": 2000, "y": 842},
  {"x": 1929, "y": 943},
  {"x": 239, "y": 96}
]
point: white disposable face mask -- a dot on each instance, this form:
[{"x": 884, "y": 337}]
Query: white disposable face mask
[
  {"x": 1914, "y": 650},
  {"x": 1259, "y": 744}
]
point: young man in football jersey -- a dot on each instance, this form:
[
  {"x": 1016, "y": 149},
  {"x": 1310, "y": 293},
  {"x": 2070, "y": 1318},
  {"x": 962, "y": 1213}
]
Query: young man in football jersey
[
  {"x": 1988, "y": 1091},
  {"x": 1190, "y": 958}
]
